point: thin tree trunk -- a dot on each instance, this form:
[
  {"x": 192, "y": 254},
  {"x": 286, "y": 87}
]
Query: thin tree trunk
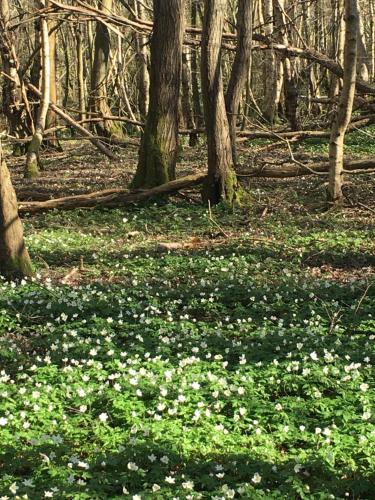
[
  {"x": 290, "y": 87},
  {"x": 80, "y": 74},
  {"x": 272, "y": 71},
  {"x": 99, "y": 78},
  {"x": 240, "y": 69},
  {"x": 143, "y": 78},
  {"x": 221, "y": 184},
  {"x": 159, "y": 145},
  {"x": 195, "y": 70},
  {"x": 32, "y": 159},
  {"x": 51, "y": 120},
  {"x": 186, "y": 104},
  {"x": 336, "y": 146},
  {"x": 362, "y": 57}
]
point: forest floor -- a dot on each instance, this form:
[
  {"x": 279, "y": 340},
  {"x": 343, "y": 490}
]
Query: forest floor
[{"x": 238, "y": 363}]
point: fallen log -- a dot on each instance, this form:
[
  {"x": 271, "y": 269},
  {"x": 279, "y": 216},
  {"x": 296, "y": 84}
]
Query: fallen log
[
  {"x": 300, "y": 170},
  {"x": 111, "y": 198},
  {"x": 302, "y": 134}
]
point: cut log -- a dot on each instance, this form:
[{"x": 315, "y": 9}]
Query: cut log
[{"x": 111, "y": 197}]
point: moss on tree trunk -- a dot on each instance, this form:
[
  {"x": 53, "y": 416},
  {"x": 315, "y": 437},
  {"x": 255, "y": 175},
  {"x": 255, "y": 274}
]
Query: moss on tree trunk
[{"x": 159, "y": 145}]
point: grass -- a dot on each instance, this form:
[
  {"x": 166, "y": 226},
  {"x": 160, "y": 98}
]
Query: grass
[{"x": 238, "y": 366}]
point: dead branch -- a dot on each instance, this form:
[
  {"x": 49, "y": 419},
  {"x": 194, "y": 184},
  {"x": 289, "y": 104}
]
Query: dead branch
[
  {"x": 68, "y": 119},
  {"x": 111, "y": 197},
  {"x": 299, "y": 170}
]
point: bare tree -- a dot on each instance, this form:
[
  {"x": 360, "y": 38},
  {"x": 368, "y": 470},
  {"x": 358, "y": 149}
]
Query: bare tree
[
  {"x": 32, "y": 159},
  {"x": 99, "y": 77},
  {"x": 221, "y": 184},
  {"x": 344, "y": 111}
]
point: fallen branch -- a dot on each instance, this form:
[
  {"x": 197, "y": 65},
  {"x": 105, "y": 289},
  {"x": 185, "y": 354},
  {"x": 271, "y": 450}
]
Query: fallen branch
[
  {"x": 302, "y": 134},
  {"x": 111, "y": 197},
  {"x": 299, "y": 170},
  {"x": 68, "y": 119}
]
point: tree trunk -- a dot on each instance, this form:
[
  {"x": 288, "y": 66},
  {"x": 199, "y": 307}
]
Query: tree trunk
[
  {"x": 290, "y": 87},
  {"x": 221, "y": 184},
  {"x": 339, "y": 41},
  {"x": 272, "y": 70},
  {"x": 14, "y": 258},
  {"x": 198, "y": 116},
  {"x": 186, "y": 104},
  {"x": 80, "y": 74},
  {"x": 51, "y": 120},
  {"x": 143, "y": 78},
  {"x": 362, "y": 55},
  {"x": 32, "y": 159},
  {"x": 159, "y": 144},
  {"x": 344, "y": 111},
  {"x": 240, "y": 69},
  {"x": 99, "y": 78}
]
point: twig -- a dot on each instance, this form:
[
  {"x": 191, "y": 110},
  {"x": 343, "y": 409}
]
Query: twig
[
  {"x": 363, "y": 297},
  {"x": 210, "y": 217}
]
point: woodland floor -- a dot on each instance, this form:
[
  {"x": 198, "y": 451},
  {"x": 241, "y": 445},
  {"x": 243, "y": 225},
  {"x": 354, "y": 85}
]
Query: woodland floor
[{"x": 240, "y": 365}]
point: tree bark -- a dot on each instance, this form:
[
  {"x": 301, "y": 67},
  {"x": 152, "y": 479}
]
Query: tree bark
[
  {"x": 240, "y": 69},
  {"x": 159, "y": 144},
  {"x": 344, "y": 111},
  {"x": 221, "y": 184},
  {"x": 14, "y": 258}
]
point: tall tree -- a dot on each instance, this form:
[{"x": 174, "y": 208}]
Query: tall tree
[
  {"x": 240, "y": 69},
  {"x": 272, "y": 68},
  {"x": 221, "y": 184},
  {"x": 345, "y": 106},
  {"x": 32, "y": 159},
  {"x": 143, "y": 79},
  {"x": 51, "y": 120},
  {"x": 99, "y": 77},
  {"x": 14, "y": 258},
  {"x": 159, "y": 144}
]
